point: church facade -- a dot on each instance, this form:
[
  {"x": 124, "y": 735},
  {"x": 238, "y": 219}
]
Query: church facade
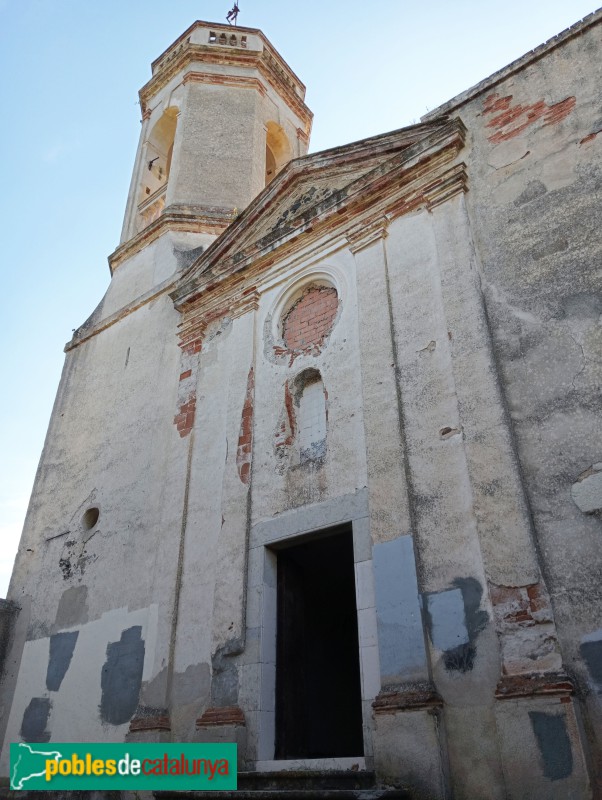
[{"x": 324, "y": 472}]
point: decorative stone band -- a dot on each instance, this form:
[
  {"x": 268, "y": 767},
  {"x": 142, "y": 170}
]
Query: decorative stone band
[
  {"x": 362, "y": 236},
  {"x": 551, "y": 683},
  {"x": 215, "y": 717},
  {"x": 448, "y": 185},
  {"x": 199, "y": 219},
  {"x": 407, "y": 698},
  {"x": 158, "y": 723},
  {"x": 303, "y": 135},
  {"x": 238, "y": 81}
]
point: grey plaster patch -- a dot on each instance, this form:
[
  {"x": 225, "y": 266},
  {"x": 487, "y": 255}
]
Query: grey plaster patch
[
  {"x": 554, "y": 744},
  {"x": 73, "y": 608},
  {"x": 446, "y": 622},
  {"x": 549, "y": 247},
  {"x": 533, "y": 190},
  {"x": 185, "y": 258},
  {"x": 121, "y": 677},
  {"x": 154, "y": 692},
  {"x": 224, "y": 683},
  {"x": 192, "y": 684},
  {"x": 461, "y": 656},
  {"x": 315, "y": 452},
  {"x": 38, "y": 629},
  {"x": 35, "y": 719},
  {"x": 591, "y": 652},
  {"x": 62, "y": 646},
  {"x": 587, "y": 490},
  {"x": 8, "y": 615},
  {"x": 400, "y": 634},
  {"x": 582, "y": 304}
]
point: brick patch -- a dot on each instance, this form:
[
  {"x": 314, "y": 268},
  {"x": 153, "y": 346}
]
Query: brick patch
[
  {"x": 184, "y": 419},
  {"x": 513, "y": 120},
  {"x": 245, "y": 437}
]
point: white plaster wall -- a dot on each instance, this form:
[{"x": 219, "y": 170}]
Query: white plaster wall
[{"x": 74, "y": 715}]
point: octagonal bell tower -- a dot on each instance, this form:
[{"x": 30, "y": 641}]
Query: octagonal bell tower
[{"x": 221, "y": 115}]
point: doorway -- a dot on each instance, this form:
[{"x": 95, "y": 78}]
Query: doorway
[{"x": 318, "y": 691}]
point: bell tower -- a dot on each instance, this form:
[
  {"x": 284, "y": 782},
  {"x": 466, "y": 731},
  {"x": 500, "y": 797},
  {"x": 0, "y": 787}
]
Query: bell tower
[{"x": 221, "y": 115}]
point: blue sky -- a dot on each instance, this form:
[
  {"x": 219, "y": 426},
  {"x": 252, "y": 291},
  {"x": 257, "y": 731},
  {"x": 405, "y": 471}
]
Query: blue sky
[{"x": 71, "y": 70}]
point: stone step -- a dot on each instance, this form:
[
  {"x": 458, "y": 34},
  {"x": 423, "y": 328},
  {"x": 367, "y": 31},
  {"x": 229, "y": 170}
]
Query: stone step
[
  {"x": 307, "y": 779},
  {"x": 290, "y": 794},
  {"x": 298, "y": 785}
]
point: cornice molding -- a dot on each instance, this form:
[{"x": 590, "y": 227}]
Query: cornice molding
[
  {"x": 198, "y": 219},
  {"x": 213, "y": 79},
  {"x": 362, "y": 236},
  {"x": 263, "y": 62},
  {"x": 418, "y": 175}
]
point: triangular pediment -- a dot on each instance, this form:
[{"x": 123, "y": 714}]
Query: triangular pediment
[{"x": 306, "y": 192}]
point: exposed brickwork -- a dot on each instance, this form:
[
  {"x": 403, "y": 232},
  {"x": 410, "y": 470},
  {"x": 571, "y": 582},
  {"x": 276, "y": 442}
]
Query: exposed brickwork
[
  {"x": 159, "y": 723},
  {"x": 413, "y": 696},
  {"x": 525, "y": 626},
  {"x": 513, "y": 120},
  {"x": 184, "y": 419},
  {"x": 533, "y": 684},
  {"x": 589, "y": 138},
  {"x": 525, "y": 604},
  {"x": 245, "y": 438},
  {"x": 189, "y": 362},
  {"x": 228, "y": 715},
  {"x": 192, "y": 347},
  {"x": 308, "y": 323}
]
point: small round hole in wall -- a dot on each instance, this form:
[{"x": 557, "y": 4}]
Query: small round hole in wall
[{"x": 90, "y": 518}]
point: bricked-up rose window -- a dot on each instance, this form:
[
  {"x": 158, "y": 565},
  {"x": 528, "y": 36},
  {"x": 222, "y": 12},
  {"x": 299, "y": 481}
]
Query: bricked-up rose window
[{"x": 310, "y": 320}]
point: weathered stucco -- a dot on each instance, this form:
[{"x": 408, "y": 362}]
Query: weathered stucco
[{"x": 399, "y": 338}]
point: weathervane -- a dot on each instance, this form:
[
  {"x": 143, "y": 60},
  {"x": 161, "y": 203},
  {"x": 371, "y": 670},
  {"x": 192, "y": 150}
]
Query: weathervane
[{"x": 232, "y": 15}]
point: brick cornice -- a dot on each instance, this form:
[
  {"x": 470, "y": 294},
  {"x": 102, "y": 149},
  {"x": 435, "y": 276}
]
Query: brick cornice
[
  {"x": 535, "y": 684},
  {"x": 157, "y": 723},
  {"x": 407, "y": 698},
  {"x": 216, "y": 717}
]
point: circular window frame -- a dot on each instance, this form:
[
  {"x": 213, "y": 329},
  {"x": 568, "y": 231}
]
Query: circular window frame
[{"x": 294, "y": 290}]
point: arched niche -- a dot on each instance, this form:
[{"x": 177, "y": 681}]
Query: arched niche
[
  {"x": 158, "y": 154},
  {"x": 278, "y": 150}
]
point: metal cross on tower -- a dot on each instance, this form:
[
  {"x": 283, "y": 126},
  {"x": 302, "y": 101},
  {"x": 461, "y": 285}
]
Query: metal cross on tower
[{"x": 232, "y": 15}]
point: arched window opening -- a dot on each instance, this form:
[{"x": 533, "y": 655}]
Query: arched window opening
[
  {"x": 311, "y": 417},
  {"x": 278, "y": 151},
  {"x": 270, "y": 164},
  {"x": 158, "y": 154}
]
